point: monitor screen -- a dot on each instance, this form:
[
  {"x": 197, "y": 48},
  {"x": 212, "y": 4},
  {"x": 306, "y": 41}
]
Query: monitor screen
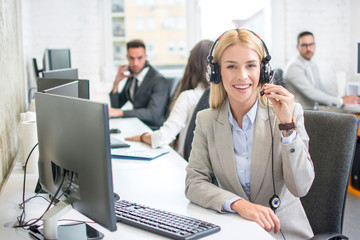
[
  {"x": 56, "y": 59},
  {"x": 71, "y": 73},
  {"x": 46, "y": 83},
  {"x": 74, "y": 149}
]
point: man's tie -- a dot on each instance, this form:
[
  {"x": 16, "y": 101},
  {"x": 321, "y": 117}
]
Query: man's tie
[{"x": 133, "y": 88}]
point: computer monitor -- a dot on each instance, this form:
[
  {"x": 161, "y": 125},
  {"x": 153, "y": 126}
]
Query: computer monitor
[
  {"x": 46, "y": 83},
  {"x": 56, "y": 59},
  {"x": 74, "y": 142},
  {"x": 71, "y": 73},
  {"x": 70, "y": 89}
]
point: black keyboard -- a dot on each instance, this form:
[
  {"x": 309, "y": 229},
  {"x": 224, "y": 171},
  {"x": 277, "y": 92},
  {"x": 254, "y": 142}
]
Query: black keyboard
[{"x": 164, "y": 223}]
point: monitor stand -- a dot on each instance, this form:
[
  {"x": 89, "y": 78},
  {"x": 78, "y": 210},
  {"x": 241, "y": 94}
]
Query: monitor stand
[{"x": 64, "y": 232}]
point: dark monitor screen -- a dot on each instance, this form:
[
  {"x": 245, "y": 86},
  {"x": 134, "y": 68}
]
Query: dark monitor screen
[
  {"x": 46, "y": 83},
  {"x": 71, "y": 73},
  {"x": 57, "y": 59},
  {"x": 74, "y": 144}
]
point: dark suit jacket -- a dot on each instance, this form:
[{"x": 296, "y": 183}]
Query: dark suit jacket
[{"x": 150, "y": 100}]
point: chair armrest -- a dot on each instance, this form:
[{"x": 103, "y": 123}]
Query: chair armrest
[{"x": 328, "y": 236}]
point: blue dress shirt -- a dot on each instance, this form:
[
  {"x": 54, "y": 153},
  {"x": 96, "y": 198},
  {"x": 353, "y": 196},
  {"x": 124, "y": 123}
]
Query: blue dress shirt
[{"x": 243, "y": 141}]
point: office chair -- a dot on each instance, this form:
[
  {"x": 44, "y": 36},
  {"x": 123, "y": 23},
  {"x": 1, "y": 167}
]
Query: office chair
[
  {"x": 278, "y": 77},
  {"x": 332, "y": 145},
  {"x": 202, "y": 104},
  {"x": 173, "y": 85}
]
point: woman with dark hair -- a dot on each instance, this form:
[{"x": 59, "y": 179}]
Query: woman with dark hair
[{"x": 191, "y": 88}]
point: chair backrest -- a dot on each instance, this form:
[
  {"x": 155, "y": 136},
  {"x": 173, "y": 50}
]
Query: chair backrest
[
  {"x": 202, "y": 104},
  {"x": 278, "y": 77},
  {"x": 332, "y": 145},
  {"x": 173, "y": 85}
]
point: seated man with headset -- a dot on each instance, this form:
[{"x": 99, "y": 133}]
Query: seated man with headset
[
  {"x": 145, "y": 88},
  {"x": 253, "y": 139}
]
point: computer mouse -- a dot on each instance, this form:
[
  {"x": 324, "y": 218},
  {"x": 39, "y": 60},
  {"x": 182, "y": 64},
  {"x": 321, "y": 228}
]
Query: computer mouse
[
  {"x": 115, "y": 130},
  {"x": 116, "y": 196}
]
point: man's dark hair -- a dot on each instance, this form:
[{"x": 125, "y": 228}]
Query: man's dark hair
[
  {"x": 136, "y": 43},
  {"x": 305, "y": 33}
]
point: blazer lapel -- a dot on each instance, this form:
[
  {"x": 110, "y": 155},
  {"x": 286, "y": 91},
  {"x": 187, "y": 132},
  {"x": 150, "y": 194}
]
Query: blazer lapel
[
  {"x": 145, "y": 83},
  {"x": 261, "y": 153},
  {"x": 225, "y": 149}
]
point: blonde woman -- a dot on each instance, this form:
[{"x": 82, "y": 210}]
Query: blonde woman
[{"x": 239, "y": 141}]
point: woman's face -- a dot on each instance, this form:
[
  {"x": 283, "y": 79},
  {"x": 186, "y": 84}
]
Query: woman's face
[{"x": 240, "y": 71}]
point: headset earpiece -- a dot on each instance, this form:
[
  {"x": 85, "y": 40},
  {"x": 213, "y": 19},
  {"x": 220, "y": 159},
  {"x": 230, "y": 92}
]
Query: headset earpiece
[
  {"x": 265, "y": 72},
  {"x": 213, "y": 74}
]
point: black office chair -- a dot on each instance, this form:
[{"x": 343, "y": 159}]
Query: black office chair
[
  {"x": 332, "y": 145},
  {"x": 202, "y": 104},
  {"x": 173, "y": 85},
  {"x": 278, "y": 77}
]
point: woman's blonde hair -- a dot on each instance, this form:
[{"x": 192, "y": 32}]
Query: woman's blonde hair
[{"x": 230, "y": 38}]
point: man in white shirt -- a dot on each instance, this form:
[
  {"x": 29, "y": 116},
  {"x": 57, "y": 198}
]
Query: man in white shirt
[{"x": 303, "y": 80}]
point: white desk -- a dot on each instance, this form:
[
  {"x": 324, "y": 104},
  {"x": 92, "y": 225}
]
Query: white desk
[{"x": 158, "y": 183}]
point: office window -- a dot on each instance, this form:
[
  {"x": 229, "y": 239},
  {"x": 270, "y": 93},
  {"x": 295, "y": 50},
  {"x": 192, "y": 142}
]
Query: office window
[
  {"x": 150, "y": 50},
  {"x": 139, "y": 23},
  {"x": 180, "y": 22},
  {"x": 182, "y": 49},
  {"x": 169, "y": 2},
  {"x": 118, "y": 6},
  {"x": 150, "y": 4},
  {"x": 150, "y": 23},
  {"x": 180, "y": 2},
  {"x": 118, "y": 27},
  {"x": 171, "y": 47},
  {"x": 117, "y": 52},
  {"x": 139, "y": 3},
  {"x": 169, "y": 23}
]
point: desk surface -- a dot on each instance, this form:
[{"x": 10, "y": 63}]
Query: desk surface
[{"x": 158, "y": 183}]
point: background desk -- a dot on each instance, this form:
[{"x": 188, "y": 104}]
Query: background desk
[{"x": 158, "y": 183}]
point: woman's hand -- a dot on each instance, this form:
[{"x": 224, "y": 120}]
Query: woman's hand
[
  {"x": 282, "y": 100},
  {"x": 145, "y": 137},
  {"x": 263, "y": 216}
]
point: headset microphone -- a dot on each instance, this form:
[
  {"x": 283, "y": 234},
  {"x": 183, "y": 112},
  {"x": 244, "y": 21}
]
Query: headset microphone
[{"x": 274, "y": 202}]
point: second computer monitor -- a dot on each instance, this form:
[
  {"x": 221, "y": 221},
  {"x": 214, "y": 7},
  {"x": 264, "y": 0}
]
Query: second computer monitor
[
  {"x": 71, "y": 73},
  {"x": 47, "y": 83}
]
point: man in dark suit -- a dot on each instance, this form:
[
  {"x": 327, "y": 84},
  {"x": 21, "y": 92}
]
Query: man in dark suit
[{"x": 145, "y": 88}]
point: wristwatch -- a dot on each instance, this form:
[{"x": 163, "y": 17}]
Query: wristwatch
[{"x": 288, "y": 126}]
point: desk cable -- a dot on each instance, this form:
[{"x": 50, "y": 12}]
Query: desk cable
[{"x": 21, "y": 219}]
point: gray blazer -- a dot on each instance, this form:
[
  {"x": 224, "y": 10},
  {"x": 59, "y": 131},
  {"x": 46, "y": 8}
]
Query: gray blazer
[
  {"x": 150, "y": 100},
  {"x": 213, "y": 151},
  {"x": 302, "y": 78}
]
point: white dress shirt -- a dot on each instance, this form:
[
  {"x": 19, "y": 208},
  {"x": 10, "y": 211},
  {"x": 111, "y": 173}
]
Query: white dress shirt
[{"x": 178, "y": 120}]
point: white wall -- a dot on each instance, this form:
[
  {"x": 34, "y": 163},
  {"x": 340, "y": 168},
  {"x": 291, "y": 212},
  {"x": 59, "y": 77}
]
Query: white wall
[
  {"x": 335, "y": 26},
  {"x": 78, "y": 25},
  {"x": 12, "y": 83}
]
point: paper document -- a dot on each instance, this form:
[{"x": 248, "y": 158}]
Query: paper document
[{"x": 138, "y": 154}]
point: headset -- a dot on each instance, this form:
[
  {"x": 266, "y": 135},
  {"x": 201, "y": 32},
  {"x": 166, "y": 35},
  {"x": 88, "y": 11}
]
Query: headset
[{"x": 213, "y": 74}]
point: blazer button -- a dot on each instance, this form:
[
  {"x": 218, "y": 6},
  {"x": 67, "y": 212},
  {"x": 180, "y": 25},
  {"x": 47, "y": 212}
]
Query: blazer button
[{"x": 292, "y": 150}]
